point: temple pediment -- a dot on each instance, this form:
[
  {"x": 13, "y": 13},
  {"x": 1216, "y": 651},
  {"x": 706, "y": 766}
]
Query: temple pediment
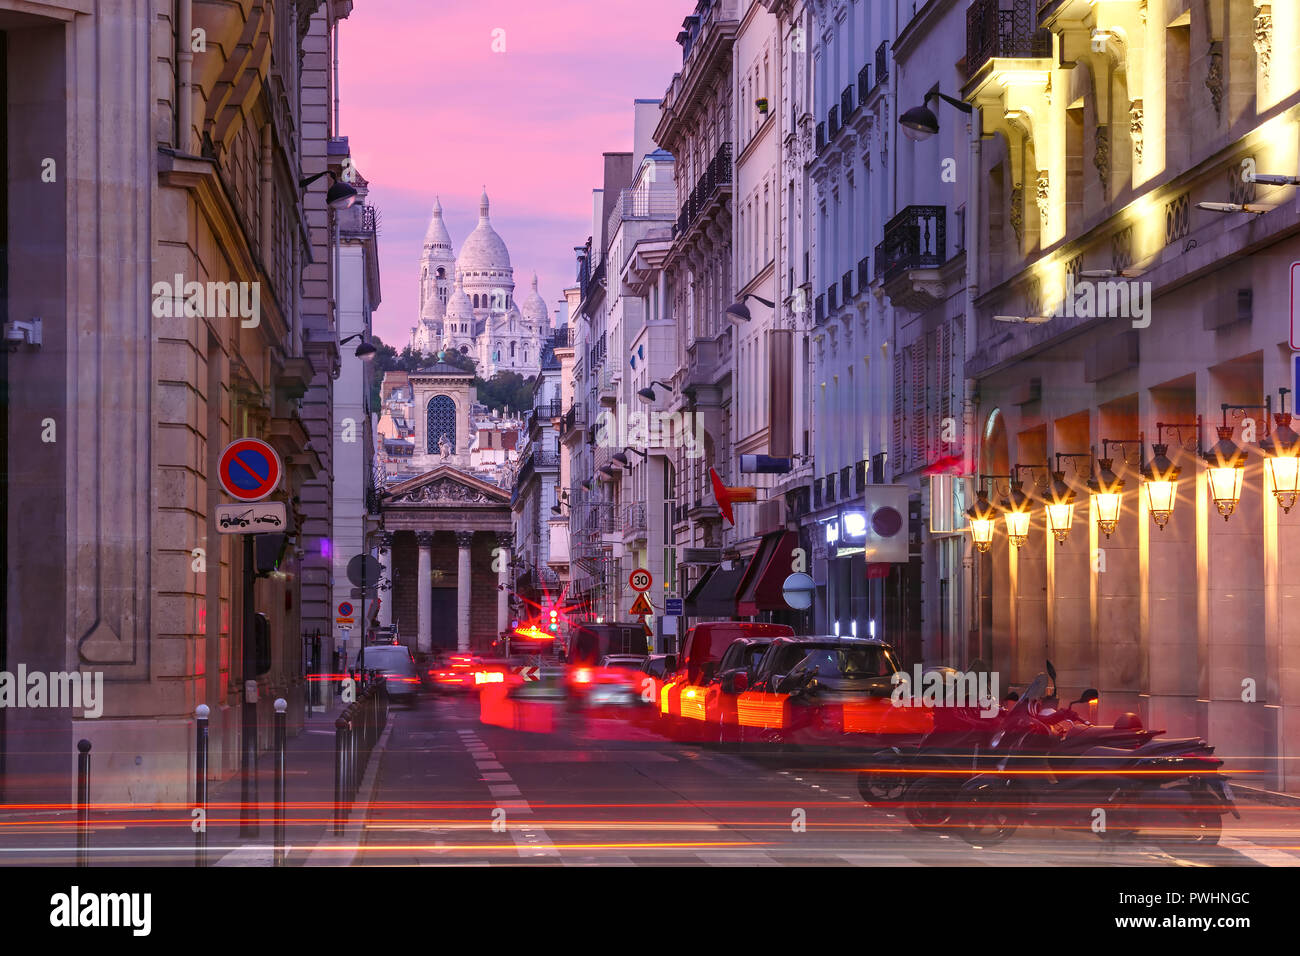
[{"x": 445, "y": 486}]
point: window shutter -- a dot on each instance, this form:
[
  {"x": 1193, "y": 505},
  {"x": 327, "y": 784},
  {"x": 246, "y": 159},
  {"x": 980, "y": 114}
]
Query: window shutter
[
  {"x": 897, "y": 451},
  {"x": 919, "y": 410}
]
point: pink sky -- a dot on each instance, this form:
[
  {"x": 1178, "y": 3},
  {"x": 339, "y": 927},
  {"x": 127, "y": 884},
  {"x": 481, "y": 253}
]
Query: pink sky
[{"x": 430, "y": 109}]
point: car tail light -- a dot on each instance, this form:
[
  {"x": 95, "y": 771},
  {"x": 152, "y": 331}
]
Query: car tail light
[{"x": 582, "y": 676}]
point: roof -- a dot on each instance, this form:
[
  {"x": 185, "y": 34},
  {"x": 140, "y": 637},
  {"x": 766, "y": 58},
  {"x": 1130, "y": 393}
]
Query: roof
[{"x": 443, "y": 368}]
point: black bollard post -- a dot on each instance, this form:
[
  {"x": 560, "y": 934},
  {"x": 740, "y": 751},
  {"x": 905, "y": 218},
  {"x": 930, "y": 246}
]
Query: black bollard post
[
  {"x": 201, "y": 783},
  {"x": 340, "y": 771},
  {"x": 83, "y": 803},
  {"x": 281, "y": 705}
]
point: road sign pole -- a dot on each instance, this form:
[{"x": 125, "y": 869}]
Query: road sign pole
[{"x": 248, "y": 751}]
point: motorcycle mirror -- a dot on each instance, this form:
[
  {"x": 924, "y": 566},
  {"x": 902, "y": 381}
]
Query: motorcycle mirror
[{"x": 1087, "y": 697}]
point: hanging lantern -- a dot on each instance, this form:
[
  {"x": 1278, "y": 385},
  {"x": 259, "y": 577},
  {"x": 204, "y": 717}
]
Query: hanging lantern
[
  {"x": 1226, "y": 472},
  {"x": 1160, "y": 482},
  {"x": 1282, "y": 461},
  {"x": 1106, "y": 496},
  {"x": 982, "y": 515},
  {"x": 1060, "y": 507},
  {"x": 1015, "y": 510}
]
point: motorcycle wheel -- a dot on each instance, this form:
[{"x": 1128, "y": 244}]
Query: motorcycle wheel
[
  {"x": 985, "y": 820},
  {"x": 927, "y": 804},
  {"x": 878, "y": 787}
]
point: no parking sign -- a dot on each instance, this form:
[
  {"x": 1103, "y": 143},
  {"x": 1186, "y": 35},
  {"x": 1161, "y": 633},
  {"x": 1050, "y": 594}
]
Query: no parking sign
[{"x": 249, "y": 469}]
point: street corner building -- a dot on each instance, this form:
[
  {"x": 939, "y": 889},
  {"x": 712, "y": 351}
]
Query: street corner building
[{"x": 169, "y": 288}]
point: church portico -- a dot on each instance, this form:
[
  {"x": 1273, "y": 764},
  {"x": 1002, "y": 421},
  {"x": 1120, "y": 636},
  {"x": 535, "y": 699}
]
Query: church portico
[{"x": 446, "y": 529}]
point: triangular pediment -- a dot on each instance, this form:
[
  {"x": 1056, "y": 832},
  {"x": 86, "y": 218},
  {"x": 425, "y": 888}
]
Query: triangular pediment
[{"x": 445, "y": 485}]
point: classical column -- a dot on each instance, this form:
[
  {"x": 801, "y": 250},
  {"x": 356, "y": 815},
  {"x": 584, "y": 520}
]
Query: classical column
[
  {"x": 386, "y": 562},
  {"x": 501, "y": 561},
  {"x": 424, "y": 596},
  {"x": 463, "y": 541}
]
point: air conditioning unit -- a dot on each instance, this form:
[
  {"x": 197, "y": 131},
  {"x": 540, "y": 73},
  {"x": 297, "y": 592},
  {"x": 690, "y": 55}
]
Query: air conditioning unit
[{"x": 771, "y": 515}]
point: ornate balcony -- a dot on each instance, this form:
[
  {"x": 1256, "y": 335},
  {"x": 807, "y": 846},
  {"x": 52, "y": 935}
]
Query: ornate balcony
[
  {"x": 916, "y": 238},
  {"x": 1003, "y": 28}
]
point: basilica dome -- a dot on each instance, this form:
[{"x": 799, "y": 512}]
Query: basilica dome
[
  {"x": 534, "y": 308},
  {"x": 483, "y": 250}
]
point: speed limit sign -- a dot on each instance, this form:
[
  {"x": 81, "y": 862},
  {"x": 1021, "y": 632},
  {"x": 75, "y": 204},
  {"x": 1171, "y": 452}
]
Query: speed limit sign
[{"x": 640, "y": 580}]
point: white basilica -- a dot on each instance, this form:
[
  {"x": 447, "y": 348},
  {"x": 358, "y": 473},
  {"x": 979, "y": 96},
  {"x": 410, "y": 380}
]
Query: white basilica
[{"x": 467, "y": 302}]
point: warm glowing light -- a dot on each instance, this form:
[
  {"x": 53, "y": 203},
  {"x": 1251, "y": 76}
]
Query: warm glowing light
[
  {"x": 489, "y": 677},
  {"x": 981, "y": 517},
  {"x": 1015, "y": 509},
  {"x": 1282, "y": 461},
  {"x": 1060, "y": 509},
  {"x": 1106, "y": 497},
  {"x": 1226, "y": 472},
  {"x": 1160, "y": 482}
]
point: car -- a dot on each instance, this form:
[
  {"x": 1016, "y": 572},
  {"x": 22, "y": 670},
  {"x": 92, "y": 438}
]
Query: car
[
  {"x": 682, "y": 696},
  {"x": 629, "y": 661},
  {"x": 826, "y": 691},
  {"x": 730, "y": 680},
  {"x": 603, "y": 688},
  {"x": 396, "y": 664}
]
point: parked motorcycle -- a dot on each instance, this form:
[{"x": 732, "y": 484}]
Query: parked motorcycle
[{"x": 1046, "y": 767}]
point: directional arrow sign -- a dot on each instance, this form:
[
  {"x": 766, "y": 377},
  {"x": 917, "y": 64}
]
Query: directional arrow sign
[
  {"x": 641, "y": 606},
  {"x": 528, "y": 673}
]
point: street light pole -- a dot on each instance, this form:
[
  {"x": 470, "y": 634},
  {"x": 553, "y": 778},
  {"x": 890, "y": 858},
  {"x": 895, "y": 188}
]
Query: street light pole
[{"x": 248, "y": 817}]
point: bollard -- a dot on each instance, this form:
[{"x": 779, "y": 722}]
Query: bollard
[
  {"x": 340, "y": 771},
  {"x": 201, "y": 783},
  {"x": 281, "y": 705},
  {"x": 83, "y": 803}
]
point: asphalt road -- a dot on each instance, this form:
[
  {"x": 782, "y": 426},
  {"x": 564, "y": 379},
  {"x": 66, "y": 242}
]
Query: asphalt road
[
  {"x": 445, "y": 789},
  {"x": 453, "y": 791}
]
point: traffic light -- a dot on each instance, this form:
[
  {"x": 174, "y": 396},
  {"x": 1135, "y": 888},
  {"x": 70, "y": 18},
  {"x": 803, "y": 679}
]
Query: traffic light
[{"x": 555, "y": 623}]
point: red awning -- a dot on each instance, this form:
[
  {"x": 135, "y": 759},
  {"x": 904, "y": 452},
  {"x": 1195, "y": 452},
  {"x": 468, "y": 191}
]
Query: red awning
[{"x": 761, "y": 589}]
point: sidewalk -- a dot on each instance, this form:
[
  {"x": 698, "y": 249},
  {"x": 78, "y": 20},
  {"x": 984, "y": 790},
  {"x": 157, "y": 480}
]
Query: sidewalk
[{"x": 163, "y": 836}]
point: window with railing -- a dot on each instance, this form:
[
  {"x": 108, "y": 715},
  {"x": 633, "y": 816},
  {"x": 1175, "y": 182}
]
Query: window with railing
[
  {"x": 914, "y": 239},
  {"x": 821, "y": 136},
  {"x": 882, "y": 62},
  {"x": 832, "y": 122},
  {"x": 1003, "y": 28},
  {"x": 846, "y": 102},
  {"x": 864, "y": 82},
  {"x": 864, "y": 273},
  {"x": 846, "y": 287}
]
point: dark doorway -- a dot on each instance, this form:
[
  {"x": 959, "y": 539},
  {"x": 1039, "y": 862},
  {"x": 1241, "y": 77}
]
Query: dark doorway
[{"x": 444, "y": 618}]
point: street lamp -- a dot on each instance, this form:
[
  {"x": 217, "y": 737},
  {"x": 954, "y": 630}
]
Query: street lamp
[
  {"x": 1282, "y": 458},
  {"x": 919, "y": 123},
  {"x": 1105, "y": 496},
  {"x": 647, "y": 394},
  {"x": 340, "y": 195},
  {"x": 738, "y": 310},
  {"x": 1060, "y": 506},
  {"x": 1160, "y": 477},
  {"x": 982, "y": 515},
  {"x": 1016, "y": 512},
  {"x": 365, "y": 351},
  {"x": 621, "y": 457},
  {"x": 1227, "y": 462}
]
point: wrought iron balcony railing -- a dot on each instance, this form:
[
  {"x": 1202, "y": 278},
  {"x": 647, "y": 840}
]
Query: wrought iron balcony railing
[
  {"x": 860, "y": 476},
  {"x": 819, "y": 310},
  {"x": 914, "y": 239},
  {"x": 846, "y": 103},
  {"x": 715, "y": 176},
  {"x": 844, "y": 481},
  {"x": 821, "y": 136},
  {"x": 817, "y": 493},
  {"x": 830, "y": 489},
  {"x": 634, "y": 518},
  {"x": 832, "y": 123},
  {"x": 1003, "y": 28},
  {"x": 846, "y": 288},
  {"x": 864, "y": 83},
  {"x": 882, "y": 62},
  {"x": 830, "y": 298},
  {"x": 864, "y": 273}
]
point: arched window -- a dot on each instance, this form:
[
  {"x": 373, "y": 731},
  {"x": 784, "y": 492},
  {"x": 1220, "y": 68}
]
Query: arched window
[
  {"x": 442, "y": 273},
  {"x": 512, "y": 351},
  {"x": 441, "y": 421},
  {"x": 476, "y": 300}
]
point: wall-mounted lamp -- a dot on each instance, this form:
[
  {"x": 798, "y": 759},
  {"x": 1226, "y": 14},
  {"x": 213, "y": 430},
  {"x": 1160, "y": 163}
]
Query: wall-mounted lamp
[
  {"x": 738, "y": 310},
  {"x": 19, "y": 333},
  {"x": 919, "y": 123},
  {"x": 340, "y": 195},
  {"x": 647, "y": 394},
  {"x": 365, "y": 351}
]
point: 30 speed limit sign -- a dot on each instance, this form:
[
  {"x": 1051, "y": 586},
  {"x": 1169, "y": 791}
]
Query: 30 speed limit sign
[{"x": 640, "y": 580}]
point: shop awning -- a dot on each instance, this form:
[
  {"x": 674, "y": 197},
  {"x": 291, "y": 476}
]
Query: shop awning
[
  {"x": 715, "y": 594},
  {"x": 761, "y": 589}
]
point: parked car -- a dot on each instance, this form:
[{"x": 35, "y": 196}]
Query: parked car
[
  {"x": 826, "y": 691},
  {"x": 396, "y": 664},
  {"x": 682, "y": 697},
  {"x": 730, "y": 680}
]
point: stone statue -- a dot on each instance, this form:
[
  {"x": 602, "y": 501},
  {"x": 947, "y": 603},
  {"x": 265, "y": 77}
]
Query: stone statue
[{"x": 444, "y": 447}]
